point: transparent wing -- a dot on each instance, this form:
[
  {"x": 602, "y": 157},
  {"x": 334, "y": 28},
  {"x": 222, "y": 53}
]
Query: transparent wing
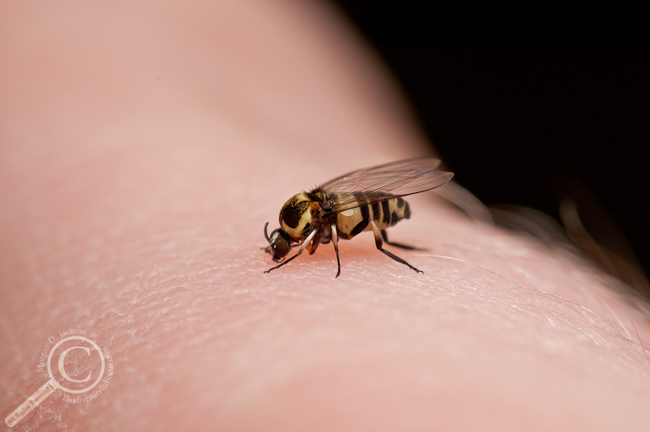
[{"x": 395, "y": 179}]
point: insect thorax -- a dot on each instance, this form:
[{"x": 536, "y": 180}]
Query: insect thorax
[{"x": 297, "y": 214}]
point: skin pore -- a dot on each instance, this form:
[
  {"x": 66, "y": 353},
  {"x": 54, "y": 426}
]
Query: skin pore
[{"x": 144, "y": 146}]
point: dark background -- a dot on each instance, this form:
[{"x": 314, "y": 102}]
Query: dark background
[{"x": 524, "y": 100}]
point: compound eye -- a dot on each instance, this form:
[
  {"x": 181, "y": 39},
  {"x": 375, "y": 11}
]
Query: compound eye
[{"x": 280, "y": 248}]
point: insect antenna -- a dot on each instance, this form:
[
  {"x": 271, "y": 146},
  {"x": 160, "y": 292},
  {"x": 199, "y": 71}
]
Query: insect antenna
[{"x": 266, "y": 233}]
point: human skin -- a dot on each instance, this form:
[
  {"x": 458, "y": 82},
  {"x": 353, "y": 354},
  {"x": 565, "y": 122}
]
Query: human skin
[{"x": 144, "y": 146}]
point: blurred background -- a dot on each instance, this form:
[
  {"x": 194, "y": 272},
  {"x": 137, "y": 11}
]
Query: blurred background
[{"x": 531, "y": 102}]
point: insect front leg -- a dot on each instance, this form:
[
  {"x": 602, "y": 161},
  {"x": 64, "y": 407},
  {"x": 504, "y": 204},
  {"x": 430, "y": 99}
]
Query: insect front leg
[
  {"x": 379, "y": 243},
  {"x": 302, "y": 248},
  {"x": 399, "y": 245}
]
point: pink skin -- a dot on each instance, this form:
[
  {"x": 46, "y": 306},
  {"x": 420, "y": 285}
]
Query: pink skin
[{"x": 145, "y": 145}]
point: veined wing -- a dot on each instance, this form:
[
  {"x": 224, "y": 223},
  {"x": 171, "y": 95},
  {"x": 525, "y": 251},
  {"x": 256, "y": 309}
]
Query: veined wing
[{"x": 395, "y": 179}]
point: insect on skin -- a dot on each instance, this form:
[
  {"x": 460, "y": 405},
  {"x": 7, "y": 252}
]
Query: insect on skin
[{"x": 369, "y": 199}]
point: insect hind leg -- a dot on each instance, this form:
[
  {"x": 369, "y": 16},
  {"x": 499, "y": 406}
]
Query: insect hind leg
[
  {"x": 335, "y": 242},
  {"x": 379, "y": 243},
  {"x": 400, "y": 245}
]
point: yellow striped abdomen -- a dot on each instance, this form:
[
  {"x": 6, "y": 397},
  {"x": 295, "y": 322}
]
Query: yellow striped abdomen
[{"x": 385, "y": 214}]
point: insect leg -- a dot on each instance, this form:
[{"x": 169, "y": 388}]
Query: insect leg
[
  {"x": 379, "y": 243},
  {"x": 314, "y": 244},
  {"x": 335, "y": 242},
  {"x": 399, "y": 245},
  {"x": 302, "y": 248}
]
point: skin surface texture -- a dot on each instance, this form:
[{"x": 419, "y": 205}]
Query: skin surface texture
[{"x": 144, "y": 145}]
